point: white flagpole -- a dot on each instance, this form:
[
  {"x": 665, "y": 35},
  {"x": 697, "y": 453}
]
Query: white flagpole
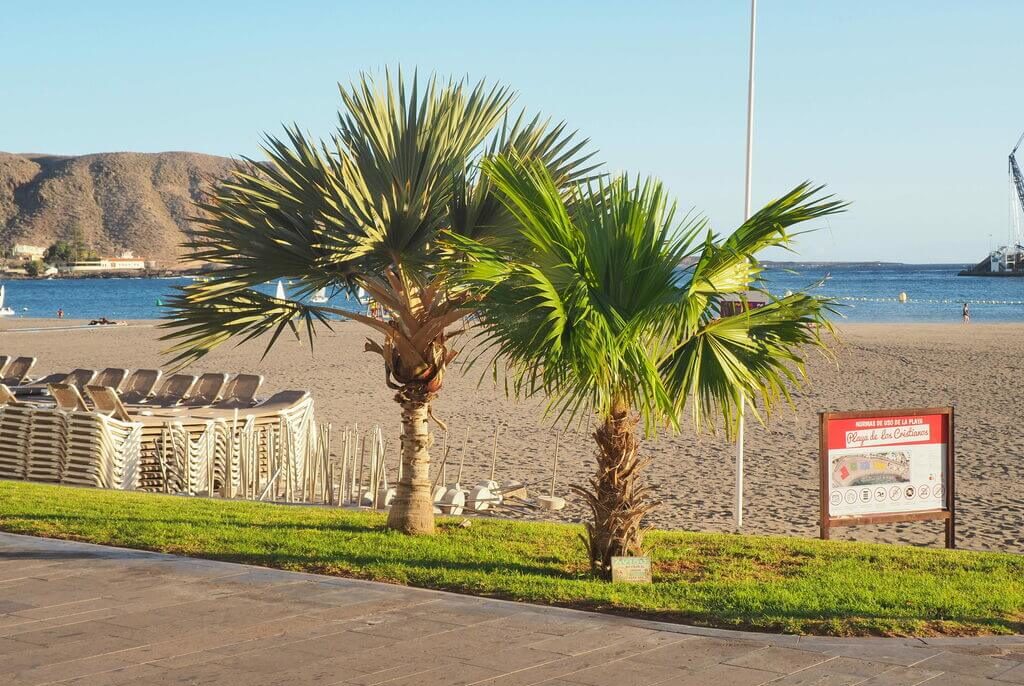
[{"x": 746, "y": 215}]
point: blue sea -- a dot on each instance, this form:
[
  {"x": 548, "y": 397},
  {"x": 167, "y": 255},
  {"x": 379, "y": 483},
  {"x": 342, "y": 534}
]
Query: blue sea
[{"x": 868, "y": 293}]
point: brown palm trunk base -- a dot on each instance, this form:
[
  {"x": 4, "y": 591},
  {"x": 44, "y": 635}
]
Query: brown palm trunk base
[
  {"x": 412, "y": 510},
  {"x": 616, "y": 494}
]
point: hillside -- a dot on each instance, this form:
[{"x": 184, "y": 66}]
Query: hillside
[{"x": 113, "y": 201}]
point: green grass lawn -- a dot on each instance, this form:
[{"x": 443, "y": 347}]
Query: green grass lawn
[{"x": 753, "y": 582}]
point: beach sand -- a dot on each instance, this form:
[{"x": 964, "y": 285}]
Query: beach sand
[{"x": 976, "y": 368}]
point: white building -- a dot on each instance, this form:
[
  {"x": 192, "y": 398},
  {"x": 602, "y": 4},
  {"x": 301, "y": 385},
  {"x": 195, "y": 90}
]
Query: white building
[
  {"x": 109, "y": 264},
  {"x": 31, "y": 252}
]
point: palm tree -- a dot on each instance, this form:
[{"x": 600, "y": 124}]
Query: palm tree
[
  {"x": 595, "y": 310},
  {"x": 364, "y": 210}
]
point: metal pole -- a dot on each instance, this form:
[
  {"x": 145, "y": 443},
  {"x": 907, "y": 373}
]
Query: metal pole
[{"x": 746, "y": 216}]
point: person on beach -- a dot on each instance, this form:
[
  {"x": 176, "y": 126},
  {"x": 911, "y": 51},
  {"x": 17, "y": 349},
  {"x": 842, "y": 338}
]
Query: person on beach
[
  {"x": 967, "y": 314},
  {"x": 60, "y": 313}
]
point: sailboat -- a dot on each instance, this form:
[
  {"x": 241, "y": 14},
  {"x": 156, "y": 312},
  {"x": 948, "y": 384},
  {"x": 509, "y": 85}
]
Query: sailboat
[
  {"x": 320, "y": 296},
  {"x": 279, "y": 294},
  {"x": 4, "y": 311}
]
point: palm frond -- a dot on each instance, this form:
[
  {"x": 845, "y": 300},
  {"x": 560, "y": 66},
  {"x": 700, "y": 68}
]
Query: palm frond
[
  {"x": 199, "y": 322},
  {"x": 755, "y": 354},
  {"x": 477, "y": 211},
  {"x": 575, "y": 314},
  {"x": 351, "y": 212},
  {"x": 731, "y": 267}
]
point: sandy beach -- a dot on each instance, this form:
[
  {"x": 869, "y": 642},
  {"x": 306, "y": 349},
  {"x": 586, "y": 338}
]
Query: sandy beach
[{"x": 975, "y": 368}]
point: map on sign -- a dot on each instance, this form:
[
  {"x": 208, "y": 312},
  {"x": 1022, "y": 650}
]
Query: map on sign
[{"x": 881, "y": 465}]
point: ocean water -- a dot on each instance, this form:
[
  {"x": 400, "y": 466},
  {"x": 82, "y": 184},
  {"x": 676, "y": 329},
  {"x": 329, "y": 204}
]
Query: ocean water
[{"x": 867, "y": 293}]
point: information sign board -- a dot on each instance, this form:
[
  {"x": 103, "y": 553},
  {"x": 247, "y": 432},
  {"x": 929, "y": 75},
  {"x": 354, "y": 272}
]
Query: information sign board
[{"x": 887, "y": 466}]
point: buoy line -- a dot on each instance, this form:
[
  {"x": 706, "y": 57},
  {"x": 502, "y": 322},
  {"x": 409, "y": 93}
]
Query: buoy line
[{"x": 927, "y": 301}]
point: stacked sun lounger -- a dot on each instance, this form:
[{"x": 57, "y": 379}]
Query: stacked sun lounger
[
  {"x": 203, "y": 435},
  {"x": 46, "y": 456},
  {"x": 15, "y": 425},
  {"x": 102, "y": 452}
]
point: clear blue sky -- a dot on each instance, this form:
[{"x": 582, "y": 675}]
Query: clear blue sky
[{"x": 906, "y": 108}]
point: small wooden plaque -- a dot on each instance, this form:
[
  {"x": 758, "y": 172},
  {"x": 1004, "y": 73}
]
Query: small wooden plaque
[{"x": 631, "y": 570}]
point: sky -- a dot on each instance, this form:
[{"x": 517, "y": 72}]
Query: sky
[{"x": 907, "y": 109}]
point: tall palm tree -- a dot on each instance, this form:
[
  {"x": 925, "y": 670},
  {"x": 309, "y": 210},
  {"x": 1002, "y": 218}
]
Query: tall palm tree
[
  {"x": 364, "y": 210},
  {"x": 595, "y": 309}
]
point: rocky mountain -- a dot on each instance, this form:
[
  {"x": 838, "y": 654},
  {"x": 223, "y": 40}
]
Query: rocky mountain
[{"x": 112, "y": 202}]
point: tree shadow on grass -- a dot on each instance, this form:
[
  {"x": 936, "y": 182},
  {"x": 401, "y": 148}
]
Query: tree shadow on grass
[{"x": 92, "y": 521}]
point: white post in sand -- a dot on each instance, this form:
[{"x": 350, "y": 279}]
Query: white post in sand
[{"x": 746, "y": 216}]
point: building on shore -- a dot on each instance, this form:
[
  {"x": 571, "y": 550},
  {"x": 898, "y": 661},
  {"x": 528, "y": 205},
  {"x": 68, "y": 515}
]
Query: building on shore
[
  {"x": 28, "y": 252},
  {"x": 126, "y": 262}
]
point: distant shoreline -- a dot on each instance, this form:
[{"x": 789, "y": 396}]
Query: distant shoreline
[
  {"x": 863, "y": 265},
  {"x": 123, "y": 274}
]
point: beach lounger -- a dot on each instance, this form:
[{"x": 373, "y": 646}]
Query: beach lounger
[
  {"x": 17, "y": 371},
  {"x": 106, "y": 401},
  {"x": 111, "y": 377},
  {"x": 241, "y": 392},
  {"x": 80, "y": 378},
  {"x": 207, "y": 390},
  {"x": 7, "y": 397},
  {"x": 68, "y": 398},
  {"x": 282, "y": 400},
  {"x": 4, "y": 359},
  {"x": 140, "y": 385},
  {"x": 175, "y": 389}
]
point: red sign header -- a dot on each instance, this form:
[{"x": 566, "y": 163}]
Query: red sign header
[{"x": 869, "y": 432}]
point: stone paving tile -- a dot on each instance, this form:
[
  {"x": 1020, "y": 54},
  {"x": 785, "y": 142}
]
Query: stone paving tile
[
  {"x": 71, "y": 669},
  {"x": 973, "y": 665},
  {"x": 586, "y": 641},
  {"x": 8, "y": 606},
  {"x": 951, "y": 679},
  {"x": 382, "y": 673},
  {"x": 363, "y": 608},
  {"x": 840, "y": 670},
  {"x": 340, "y": 643},
  {"x": 463, "y": 613},
  {"x": 698, "y": 653},
  {"x": 1014, "y": 676},
  {"x": 77, "y": 631},
  {"x": 624, "y": 673},
  {"x": 263, "y": 662},
  {"x": 206, "y": 674},
  {"x": 9, "y": 646},
  {"x": 33, "y": 656},
  {"x": 135, "y": 674},
  {"x": 512, "y": 659},
  {"x": 465, "y": 642},
  {"x": 548, "y": 622},
  {"x": 722, "y": 675},
  {"x": 776, "y": 659},
  {"x": 56, "y": 610},
  {"x": 449, "y": 675},
  {"x": 906, "y": 656},
  {"x": 400, "y": 626},
  {"x": 901, "y": 676},
  {"x": 576, "y": 663}
]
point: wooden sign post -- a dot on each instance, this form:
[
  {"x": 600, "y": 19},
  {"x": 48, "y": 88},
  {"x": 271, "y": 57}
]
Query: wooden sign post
[{"x": 884, "y": 466}]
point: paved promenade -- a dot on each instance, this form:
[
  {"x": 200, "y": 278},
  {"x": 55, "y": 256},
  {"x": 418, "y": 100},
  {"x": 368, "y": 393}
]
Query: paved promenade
[{"x": 73, "y": 613}]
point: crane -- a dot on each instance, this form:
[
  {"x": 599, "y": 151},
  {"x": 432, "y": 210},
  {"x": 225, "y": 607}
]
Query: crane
[
  {"x": 1007, "y": 260},
  {"x": 1016, "y": 178}
]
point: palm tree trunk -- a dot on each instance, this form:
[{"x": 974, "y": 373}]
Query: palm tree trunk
[
  {"x": 616, "y": 494},
  {"x": 412, "y": 511}
]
